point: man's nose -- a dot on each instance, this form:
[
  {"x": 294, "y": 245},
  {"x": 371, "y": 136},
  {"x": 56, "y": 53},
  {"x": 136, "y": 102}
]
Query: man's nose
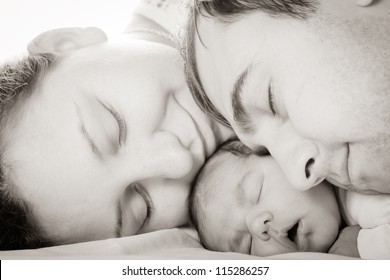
[{"x": 298, "y": 157}]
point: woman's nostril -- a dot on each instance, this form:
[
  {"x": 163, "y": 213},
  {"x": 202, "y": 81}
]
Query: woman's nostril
[{"x": 309, "y": 163}]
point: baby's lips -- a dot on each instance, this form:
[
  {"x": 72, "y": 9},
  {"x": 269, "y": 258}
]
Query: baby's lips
[{"x": 301, "y": 238}]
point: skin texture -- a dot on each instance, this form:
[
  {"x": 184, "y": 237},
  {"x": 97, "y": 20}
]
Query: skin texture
[
  {"x": 364, "y": 2},
  {"x": 111, "y": 129},
  {"x": 346, "y": 243},
  {"x": 250, "y": 208},
  {"x": 329, "y": 83}
]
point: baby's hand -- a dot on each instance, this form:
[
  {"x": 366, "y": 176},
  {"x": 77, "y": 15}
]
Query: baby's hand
[
  {"x": 346, "y": 243},
  {"x": 364, "y": 2}
]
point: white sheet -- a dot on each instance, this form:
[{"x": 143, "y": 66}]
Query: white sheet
[{"x": 164, "y": 244}]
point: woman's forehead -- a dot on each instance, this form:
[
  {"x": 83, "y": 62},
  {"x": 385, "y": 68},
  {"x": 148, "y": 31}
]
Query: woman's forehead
[{"x": 121, "y": 47}]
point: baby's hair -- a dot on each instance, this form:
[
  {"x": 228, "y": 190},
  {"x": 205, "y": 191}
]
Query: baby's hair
[
  {"x": 18, "y": 81},
  {"x": 203, "y": 186},
  {"x": 228, "y": 11}
]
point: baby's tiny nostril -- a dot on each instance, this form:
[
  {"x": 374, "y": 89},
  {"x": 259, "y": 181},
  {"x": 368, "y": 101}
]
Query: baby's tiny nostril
[{"x": 309, "y": 163}]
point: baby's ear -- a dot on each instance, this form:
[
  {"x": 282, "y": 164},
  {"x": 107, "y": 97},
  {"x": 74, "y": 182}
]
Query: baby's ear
[{"x": 63, "y": 40}]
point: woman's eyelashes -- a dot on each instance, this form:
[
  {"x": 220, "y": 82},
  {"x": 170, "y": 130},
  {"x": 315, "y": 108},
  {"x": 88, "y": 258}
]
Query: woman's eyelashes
[
  {"x": 120, "y": 120},
  {"x": 145, "y": 196}
]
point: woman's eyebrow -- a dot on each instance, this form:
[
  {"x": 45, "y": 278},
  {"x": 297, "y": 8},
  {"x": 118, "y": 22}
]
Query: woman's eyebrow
[
  {"x": 92, "y": 145},
  {"x": 240, "y": 114}
]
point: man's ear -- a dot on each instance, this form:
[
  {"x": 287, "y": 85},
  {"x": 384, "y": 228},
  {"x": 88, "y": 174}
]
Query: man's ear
[{"x": 63, "y": 40}]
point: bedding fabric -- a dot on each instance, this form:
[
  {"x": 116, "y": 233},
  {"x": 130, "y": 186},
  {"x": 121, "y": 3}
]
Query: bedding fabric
[{"x": 178, "y": 243}]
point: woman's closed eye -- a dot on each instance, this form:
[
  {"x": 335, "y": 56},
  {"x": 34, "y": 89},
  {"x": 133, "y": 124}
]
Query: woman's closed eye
[
  {"x": 135, "y": 208},
  {"x": 140, "y": 189},
  {"x": 120, "y": 120}
]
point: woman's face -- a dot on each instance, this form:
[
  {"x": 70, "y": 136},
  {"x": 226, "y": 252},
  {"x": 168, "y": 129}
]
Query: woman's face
[{"x": 109, "y": 143}]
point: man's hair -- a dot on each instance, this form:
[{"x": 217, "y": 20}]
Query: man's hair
[
  {"x": 18, "y": 81},
  {"x": 203, "y": 185},
  {"x": 228, "y": 11}
]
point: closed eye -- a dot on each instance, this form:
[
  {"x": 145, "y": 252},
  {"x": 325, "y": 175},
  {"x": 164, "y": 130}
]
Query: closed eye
[
  {"x": 120, "y": 120},
  {"x": 261, "y": 189},
  {"x": 250, "y": 244},
  {"x": 145, "y": 196},
  {"x": 271, "y": 98}
]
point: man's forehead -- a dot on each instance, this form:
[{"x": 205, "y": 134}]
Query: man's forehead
[
  {"x": 358, "y": 27},
  {"x": 218, "y": 65},
  {"x": 357, "y": 44},
  {"x": 349, "y": 9},
  {"x": 345, "y": 17}
]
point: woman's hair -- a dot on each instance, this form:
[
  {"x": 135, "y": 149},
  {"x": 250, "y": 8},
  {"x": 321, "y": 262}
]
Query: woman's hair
[
  {"x": 18, "y": 80},
  {"x": 228, "y": 11}
]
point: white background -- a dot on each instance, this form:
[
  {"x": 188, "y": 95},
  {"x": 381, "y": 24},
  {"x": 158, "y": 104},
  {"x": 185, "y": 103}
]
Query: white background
[
  {"x": 113, "y": 269},
  {"x": 22, "y": 20}
]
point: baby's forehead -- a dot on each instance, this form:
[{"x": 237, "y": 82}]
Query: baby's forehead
[
  {"x": 225, "y": 172},
  {"x": 225, "y": 163}
]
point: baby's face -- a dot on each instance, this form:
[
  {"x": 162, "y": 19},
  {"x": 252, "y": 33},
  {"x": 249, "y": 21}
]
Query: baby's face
[{"x": 254, "y": 210}]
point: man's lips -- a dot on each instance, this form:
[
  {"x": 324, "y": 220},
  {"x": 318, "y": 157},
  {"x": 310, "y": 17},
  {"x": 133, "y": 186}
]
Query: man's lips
[
  {"x": 347, "y": 165},
  {"x": 349, "y": 178},
  {"x": 342, "y": 178},
  {"x": 359, "y": 189}
]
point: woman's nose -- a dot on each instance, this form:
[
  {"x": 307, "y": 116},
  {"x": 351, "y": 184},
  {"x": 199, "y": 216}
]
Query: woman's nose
[{"x": 160, "y": 156}]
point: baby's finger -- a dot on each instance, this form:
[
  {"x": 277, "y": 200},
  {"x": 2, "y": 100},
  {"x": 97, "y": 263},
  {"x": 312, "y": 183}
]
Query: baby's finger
[{"x": 364, "y": 2}]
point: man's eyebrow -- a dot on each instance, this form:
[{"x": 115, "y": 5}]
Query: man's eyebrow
[
  {"x": 119, "y": 219},
  {"x": 86, "y": 135},
  {"x": 240, "y": 115}
]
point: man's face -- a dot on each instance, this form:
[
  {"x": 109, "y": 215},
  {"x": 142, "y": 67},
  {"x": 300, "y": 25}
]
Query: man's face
[{"x": 314, "y": 92}]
